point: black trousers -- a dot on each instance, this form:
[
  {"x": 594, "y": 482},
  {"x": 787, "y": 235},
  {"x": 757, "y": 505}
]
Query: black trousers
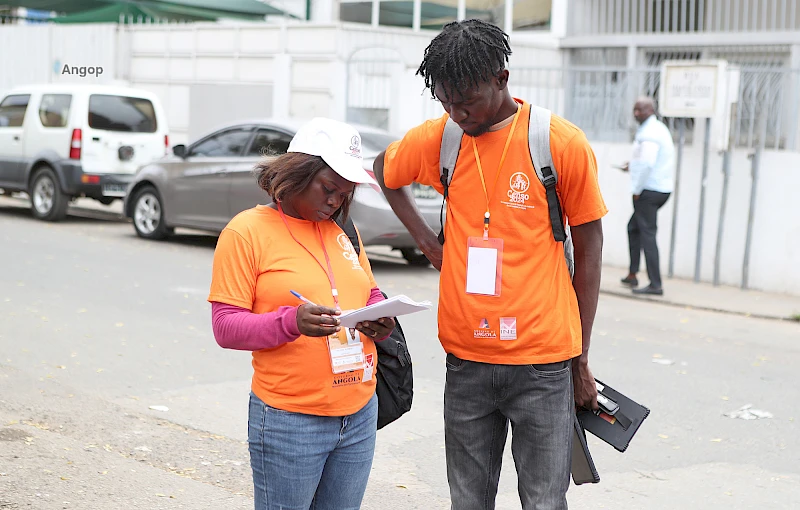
[{"x": 642, "y": 230}]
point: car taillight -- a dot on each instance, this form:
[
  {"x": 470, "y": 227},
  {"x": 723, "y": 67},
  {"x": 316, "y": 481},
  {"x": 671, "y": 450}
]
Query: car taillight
[
  {"x": 166, "y": 144},
  {"x": 76, "y": 144}
]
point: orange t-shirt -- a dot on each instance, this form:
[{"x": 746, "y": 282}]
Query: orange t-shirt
[
  {"x": 256, "y": 265},
  {"x": 535, "y": 319}
]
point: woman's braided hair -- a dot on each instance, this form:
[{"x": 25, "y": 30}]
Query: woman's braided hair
[{"x": 464, "y": 54}]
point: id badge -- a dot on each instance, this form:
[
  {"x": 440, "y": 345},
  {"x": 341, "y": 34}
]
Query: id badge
[
  {"x": 346, "y": 351},
  {"x": 484, "y": 266}
]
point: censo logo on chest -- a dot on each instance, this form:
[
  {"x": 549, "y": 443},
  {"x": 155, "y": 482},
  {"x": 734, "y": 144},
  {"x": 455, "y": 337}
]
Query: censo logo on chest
[
  {"x": 348, "y": 251},
  {"x": 518, "y": 186}
]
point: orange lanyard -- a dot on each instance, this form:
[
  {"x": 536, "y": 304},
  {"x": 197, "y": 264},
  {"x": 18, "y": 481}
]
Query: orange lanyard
[
  {"x": 329, "y": 272},
  {"x": 486, "y": 216}
]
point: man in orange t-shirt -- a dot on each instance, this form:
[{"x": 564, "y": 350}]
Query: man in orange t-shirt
[{"x": 516, "y": 334}]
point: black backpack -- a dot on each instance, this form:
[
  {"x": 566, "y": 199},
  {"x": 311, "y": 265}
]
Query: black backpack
[{"x": 394, "y": 378}]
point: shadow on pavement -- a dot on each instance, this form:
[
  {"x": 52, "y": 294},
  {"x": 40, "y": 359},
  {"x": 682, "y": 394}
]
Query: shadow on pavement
[
  {"x": 196, "y": 240},
  {"x": 75, "y": 215}
]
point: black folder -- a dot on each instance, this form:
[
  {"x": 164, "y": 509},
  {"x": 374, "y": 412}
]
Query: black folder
[
  {"x": 582, "y": 469},
  {"x": 617, "y": 421}
]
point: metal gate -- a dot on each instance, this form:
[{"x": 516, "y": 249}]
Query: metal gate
[{"x": 372, "y": 75}]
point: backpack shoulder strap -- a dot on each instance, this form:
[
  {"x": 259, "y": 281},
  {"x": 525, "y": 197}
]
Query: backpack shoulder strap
[
  {"x": 539, "y": 145},
  {"x": 448, "y": 154},
  {"x": 349, "y": 228}
]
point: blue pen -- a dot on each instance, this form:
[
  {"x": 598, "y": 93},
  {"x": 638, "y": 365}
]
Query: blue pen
[{"x": 301, "y": 298}]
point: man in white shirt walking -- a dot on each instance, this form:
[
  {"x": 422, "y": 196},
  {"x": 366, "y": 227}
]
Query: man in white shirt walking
[{"x": 652, "y": 168}]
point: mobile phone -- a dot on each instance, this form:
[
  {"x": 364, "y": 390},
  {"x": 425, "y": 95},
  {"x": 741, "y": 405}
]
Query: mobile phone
[{"x": 607, "y": 405}]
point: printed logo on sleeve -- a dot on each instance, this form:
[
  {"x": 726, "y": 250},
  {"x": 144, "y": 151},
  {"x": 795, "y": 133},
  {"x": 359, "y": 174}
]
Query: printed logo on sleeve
[{"x": 508, "y": 328}]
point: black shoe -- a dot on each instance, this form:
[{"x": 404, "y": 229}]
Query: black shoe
[
  {"x": 632, "y": 282},
  {"x": 650, "y": 290}
]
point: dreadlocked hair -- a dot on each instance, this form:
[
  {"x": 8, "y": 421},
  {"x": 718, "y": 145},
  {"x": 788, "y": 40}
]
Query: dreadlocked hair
[{"x": 464, "y": 54}]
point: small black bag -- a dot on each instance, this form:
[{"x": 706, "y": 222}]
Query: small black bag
[
  {"x": 394, "y": 377},
  {"x": 395, "y": 380}
]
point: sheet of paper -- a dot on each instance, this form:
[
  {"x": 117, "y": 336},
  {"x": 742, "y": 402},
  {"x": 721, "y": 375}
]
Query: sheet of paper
[
  {"x": 392, "y": 307},
  {"x": 481, "y": 270}
]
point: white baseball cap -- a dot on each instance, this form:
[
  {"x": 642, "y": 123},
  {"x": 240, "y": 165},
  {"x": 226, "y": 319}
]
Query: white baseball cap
[{"x": 337, "y": 143}]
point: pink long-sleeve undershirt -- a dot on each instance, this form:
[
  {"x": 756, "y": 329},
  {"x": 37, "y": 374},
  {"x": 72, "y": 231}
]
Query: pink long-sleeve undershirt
[{"x": 239, "y": 328}]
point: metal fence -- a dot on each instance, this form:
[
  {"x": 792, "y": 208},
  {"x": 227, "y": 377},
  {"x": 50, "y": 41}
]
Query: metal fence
[
  {"x": 600, "y": 101},
  {"x": 682, "y": 16}
]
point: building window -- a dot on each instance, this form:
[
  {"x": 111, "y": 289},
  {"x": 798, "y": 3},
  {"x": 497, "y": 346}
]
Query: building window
[{"x": 528, "y": 14}]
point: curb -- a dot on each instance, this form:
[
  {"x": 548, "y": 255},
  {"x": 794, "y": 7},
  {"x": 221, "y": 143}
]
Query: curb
[{"x": 676, "y": 304}]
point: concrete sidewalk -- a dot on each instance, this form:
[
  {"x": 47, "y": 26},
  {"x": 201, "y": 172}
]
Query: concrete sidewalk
[{"x": 704, "y": 296}]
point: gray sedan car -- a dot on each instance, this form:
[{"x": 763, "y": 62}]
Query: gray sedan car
[{"x": 204, "y": 185}]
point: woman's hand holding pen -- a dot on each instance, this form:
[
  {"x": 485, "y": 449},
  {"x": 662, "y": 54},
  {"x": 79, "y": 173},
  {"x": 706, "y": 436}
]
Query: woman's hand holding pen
[{"x": 315, "y": 320}]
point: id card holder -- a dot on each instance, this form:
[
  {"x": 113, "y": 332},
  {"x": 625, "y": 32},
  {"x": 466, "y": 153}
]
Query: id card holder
[
  {"x": 346, "y": 352},
  {"x": 484, "y": 266}
]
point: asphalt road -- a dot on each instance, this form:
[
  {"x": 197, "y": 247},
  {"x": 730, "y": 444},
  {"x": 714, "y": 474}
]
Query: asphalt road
[{"x": 97, "y": 325}]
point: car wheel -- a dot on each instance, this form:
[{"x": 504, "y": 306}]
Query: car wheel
[
  {"x": 414, "y": 257},
  {"x": 48, "y": 202},
  {"x": 148, "y": 214}
]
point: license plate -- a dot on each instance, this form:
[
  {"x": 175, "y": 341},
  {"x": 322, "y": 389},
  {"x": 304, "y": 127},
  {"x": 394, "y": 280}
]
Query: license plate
[
  {"x": 420, "y": 191},
  {"x": 114, "y": 190}
]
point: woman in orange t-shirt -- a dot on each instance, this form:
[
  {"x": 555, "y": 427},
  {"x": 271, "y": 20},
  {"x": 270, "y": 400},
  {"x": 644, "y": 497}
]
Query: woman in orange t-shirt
[{"x": 282, "y": 274}]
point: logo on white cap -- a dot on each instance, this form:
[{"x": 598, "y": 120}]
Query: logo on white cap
[
  {"x": 337, "y": 143},
  {"x": 355, "y": 147}
]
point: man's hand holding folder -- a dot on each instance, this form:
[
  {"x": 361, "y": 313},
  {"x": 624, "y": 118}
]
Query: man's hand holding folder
[{"x": 615, "y": 421}]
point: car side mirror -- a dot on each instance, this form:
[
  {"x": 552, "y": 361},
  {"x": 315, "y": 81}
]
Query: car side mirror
[{"x": 179, "y": 150}]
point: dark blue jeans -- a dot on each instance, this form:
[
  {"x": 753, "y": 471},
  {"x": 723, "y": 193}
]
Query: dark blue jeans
[
  {"x": 480, "y": 400},
  {"x": 303, "y": 462}
]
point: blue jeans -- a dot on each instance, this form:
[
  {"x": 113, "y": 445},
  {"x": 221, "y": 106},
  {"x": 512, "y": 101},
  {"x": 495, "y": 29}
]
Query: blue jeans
[
  {"x": 303, "y": 462},
  {"x": 480, "y": 400}
]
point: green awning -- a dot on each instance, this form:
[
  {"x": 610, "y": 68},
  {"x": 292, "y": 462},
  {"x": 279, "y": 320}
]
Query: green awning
[
  {"x": 248, "y": 7},
  {"x": 56, "y": 5},
  {"x": 87, "y": 11},
  {"x": 113, "y": 13}
]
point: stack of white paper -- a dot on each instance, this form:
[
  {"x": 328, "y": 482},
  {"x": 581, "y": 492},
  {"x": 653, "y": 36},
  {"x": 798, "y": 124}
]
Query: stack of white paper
[{"x": 392, "y": 307}]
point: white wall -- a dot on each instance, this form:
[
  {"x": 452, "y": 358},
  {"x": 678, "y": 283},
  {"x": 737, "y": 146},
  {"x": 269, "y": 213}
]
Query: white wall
[
  {"x": 775, "y": 249},
  {"x": 308, "y": 60},
  {"x": 171, "y": 60},
  {"x": 307, "y": 64},
  {"x": 32, "y": 54}
]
